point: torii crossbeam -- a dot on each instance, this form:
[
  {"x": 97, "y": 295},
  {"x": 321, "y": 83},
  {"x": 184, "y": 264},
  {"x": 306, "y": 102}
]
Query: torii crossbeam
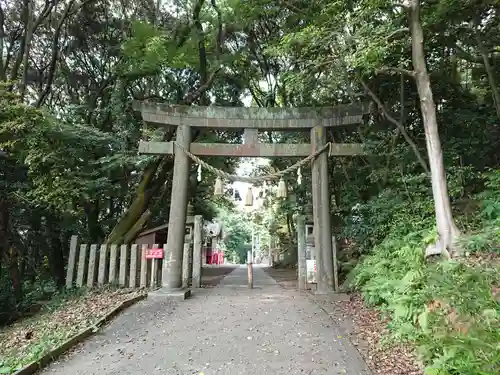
[{"x": 251, "y": 120}]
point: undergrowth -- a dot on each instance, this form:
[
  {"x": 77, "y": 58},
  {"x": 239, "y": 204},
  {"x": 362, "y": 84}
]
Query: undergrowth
[
  {"x": 449, "y": 310},
  {"x": 65, "y": 315}
]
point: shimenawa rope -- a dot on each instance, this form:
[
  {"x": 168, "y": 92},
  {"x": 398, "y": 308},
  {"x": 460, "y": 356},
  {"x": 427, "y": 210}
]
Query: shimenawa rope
[{"x": 257, "y": 179}]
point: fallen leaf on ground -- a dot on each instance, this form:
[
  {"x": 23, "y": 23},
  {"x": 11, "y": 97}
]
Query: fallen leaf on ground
[
  {"x": 369, "y": 329},
  {"x": 29, "y": 339}
]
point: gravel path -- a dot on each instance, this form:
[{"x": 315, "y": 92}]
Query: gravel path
[{"x": 226, "y": 330}]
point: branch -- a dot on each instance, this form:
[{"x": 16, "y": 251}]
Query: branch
[
  {"x": 396, "y": 32},
  {"x": 220, "y": 34},
  {"x": 254, "y": 96},
  {"x": 463, "y": 54},
  {"x": 47, "y": 8},
  {"x": 467, "y": 56},
  {"x": 391, "y": 70},
  {"x": 55, "y": 54},
  {"x": 405, "y": 4},
  {"x": 398, "y": 124},
  {"x": 194, "y": 95},
  {"x": 79, "y": 6},
  {"x": 3, "y": 77},
  {"x": 202, "y": 51},
  {"x": 398, "y": 132}
]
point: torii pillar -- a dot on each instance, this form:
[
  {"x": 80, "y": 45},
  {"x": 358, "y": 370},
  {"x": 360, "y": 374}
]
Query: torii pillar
[
  {"x": 321, "y": 214},
  {"x": 172, "y": 269}
]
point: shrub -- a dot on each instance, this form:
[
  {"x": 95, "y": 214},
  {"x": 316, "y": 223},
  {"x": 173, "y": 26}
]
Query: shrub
[{"x": 448, "y": 309}]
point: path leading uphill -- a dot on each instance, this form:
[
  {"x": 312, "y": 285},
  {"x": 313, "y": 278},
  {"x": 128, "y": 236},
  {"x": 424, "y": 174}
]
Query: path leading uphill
[{"x": 226, "y": 330}]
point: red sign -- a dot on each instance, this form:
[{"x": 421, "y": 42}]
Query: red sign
[{"x": 156, "y": 253}]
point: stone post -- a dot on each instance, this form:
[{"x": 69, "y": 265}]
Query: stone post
[
  {"x": 82, "y": 259},
  {"x": 197, "y": 243},
  {"x": 335, "y": 265},
  {"x": 250, "y": 269},
  {"x": 91, "y": 275},
  {"x": 172, "y": 269},
  {"x": 301, "y": 252},
  {"x": 214, "y": 244},
  {"x": 73, "y": 246},
  {"x": 190, "y": 263},
  {"x": 132, "y": 281},
  {"x": 143, "y": 282},
  {"x": 185, "y": 265},
  {"x": 101, "y": 274},
  {"x": 122, "y": 272},
  {"x": 269, "y": 253},
  {"x": 321, "y": 213},
  {"x": 154, "y": 271},
  {"x": 113, "y": 257}
]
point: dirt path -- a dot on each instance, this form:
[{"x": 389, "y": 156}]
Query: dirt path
[
  {"x": 364, "y": 326},
  {"x": 226, "y": 330}
]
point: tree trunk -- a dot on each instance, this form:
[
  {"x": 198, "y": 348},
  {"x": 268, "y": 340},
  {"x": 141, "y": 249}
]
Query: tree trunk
[
  {"x": 56, "y": 252},
  {"x": 4, "y": 230},
  {"x": 28, "y": 37},
  {"x": 94, "y": 228},
  {"x": 9, "y": 251},
  {"x": 137, "y": 227},
  {"x": 3, "y": 76},
  {"x": 489, "y": 71},
  {"x": 138, "y": 205},
  {"x": 446, "y": 227}
]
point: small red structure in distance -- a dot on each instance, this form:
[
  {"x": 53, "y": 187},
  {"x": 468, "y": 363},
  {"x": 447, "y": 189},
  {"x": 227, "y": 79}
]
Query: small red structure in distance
[{"x": 155, "y": 253}]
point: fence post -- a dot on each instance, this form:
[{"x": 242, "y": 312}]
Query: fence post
[
  {"x": 144, "y": 268},
  {"x": 301, "y": 253},
  {"x": 92, "y": 266},
  {"x": 81, "y": 265},
  {"x": 250, "y": 269},
  {"x": 132, "y": 283},
  {"x": 70, "y": 272},
  {"x": 113, "y": 254},
  {"x": 103, "y": 256},
  {"x": 185, "y": 265},
  {"x": 197, "y": 239},
  {"x": 154, "y": 270},
  {"x": 122, "y": 277},
  {"x": 335, "y": 265}
]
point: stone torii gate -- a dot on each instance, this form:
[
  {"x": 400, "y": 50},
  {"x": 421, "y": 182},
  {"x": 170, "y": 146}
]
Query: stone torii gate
[{"x": 251, "y": 120}]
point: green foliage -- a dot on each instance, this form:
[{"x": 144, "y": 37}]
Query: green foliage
[
  {"x": 148, "y": 50},
  {"x": 237, "y": 233},
  {"x": 402, "y": 209},
  {"x": 53, "y": 154},
  {"x": 449, "y": 308},
  {"x": 487, "y": 238}
]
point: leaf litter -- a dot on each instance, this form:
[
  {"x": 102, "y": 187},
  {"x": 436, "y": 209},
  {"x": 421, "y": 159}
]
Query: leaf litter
[
  {"x": 29, "y": 339},
  {"x": 369, "y": 331}
]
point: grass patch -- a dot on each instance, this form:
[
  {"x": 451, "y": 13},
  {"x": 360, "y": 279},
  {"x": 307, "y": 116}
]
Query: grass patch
[{"x": 62, "y": 317}]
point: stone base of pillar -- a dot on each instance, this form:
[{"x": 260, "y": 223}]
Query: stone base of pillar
[{"x": 173, "y": 294}]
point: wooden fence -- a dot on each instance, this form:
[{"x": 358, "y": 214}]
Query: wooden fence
[{"x": 126, "y": 266}]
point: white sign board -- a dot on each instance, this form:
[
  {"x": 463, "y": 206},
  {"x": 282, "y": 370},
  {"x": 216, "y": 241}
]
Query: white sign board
[
  {"x": 310, "y": 252},
  {"x": 311, "y": 270}
]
